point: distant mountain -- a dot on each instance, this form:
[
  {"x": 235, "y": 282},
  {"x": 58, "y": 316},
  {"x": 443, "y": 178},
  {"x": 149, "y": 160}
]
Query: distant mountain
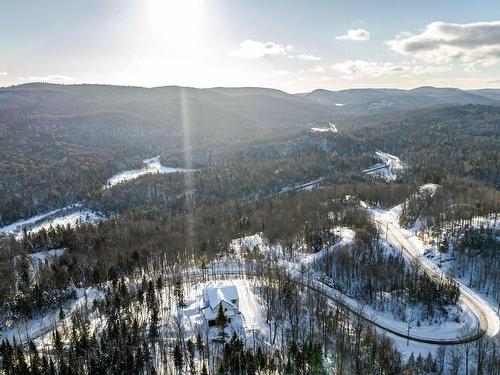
[
  {"x": 211, "y": 107},
  {"x": 381, "y": 100},
  {"x": 487, "y": 93},
  {"x": 250, "y": 91},
  {"x": 65, "y": 140}
]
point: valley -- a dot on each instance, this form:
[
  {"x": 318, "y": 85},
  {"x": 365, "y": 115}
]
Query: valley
[{"x": 329, "y": 258}]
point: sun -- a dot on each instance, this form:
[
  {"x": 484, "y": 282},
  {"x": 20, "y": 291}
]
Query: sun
[{"x": 172, "y": 20}]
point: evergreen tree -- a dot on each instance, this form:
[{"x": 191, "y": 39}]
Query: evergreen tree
[
  {"x": 221, "y": 321},
  {"x": 178, "y": 358}
]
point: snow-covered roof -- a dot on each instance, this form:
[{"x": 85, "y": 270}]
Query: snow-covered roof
[{"x": 226, "y": 293}]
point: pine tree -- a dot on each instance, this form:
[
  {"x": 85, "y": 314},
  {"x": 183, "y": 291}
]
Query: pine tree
[
  {"x": 190, "y": 349},
  {"x": 179, "y": 294},
  {"x": 178, "y": 359},
  {"x": 221, "y": 321}
]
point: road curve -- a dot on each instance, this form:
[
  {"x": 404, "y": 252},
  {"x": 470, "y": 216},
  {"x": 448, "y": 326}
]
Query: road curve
[
  {"x": 489, "y": 321},
  {"x": 240, "y": 270}
]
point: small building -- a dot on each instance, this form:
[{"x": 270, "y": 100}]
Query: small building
[{"x": 226, "y": 296}]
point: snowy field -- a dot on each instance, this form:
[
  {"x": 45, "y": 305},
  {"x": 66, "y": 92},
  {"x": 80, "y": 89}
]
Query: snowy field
[
  {"x": 152, "y": 166},
  {"x": 331, "y": 128},
  {"x": 18, "y": 225},
  {"x": 83, "y": 216},
  {"x": 39, "y": 329},
  {"x": 70, "y": 215}
]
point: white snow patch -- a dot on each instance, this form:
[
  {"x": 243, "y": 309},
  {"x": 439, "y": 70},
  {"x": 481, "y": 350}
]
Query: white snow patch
[
  {"x": 308, "y": 186},
  {"x": 430, "y": 188},
  {"x": 19, "y": 225},
  {"x": 249, "y": 243},
  {"x": 39, "y": 327},
  {"x": 42, "y": 257},
  {"x": 388, "y": 167},
  {"x": 69, "y": 215},
  {"x": 346, "y": 238},
  {"x": 73, "y": 219},
  {"x": 331, "y": 128},
  {"x": 152, "y": 166}
]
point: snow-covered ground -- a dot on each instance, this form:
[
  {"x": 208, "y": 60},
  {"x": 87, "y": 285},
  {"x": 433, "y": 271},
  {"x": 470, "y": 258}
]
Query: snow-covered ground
[
  {"x": 19, "y": 225},
  {"x": 70, "y": 215},
  {"x": 244, "y": 244},
  {"x": 308, "y": 186},
  {"x": 45, "y": 257},
  {"x": 439, "y": 328},
  {"x": 152, "y": 166},
  {"x": 250, "y": 324},
  {"x": 331, "y": 128},
  {"x": 416, "y": 250},
  {"x": 346, "y": 238},
  {"x": 388, "y": 167},
  {"x": 40, "y": 328},
  {"x": 83, "y": 216}
]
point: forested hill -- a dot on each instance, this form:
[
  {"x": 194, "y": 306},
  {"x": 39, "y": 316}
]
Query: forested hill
[
  {"x": 357, "y": 101},
  {"x": 60, "y": 143},
  {"x": 455, "y": 140}
]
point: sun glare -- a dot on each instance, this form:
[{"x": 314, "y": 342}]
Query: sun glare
[{"x": 171, "y": 20}]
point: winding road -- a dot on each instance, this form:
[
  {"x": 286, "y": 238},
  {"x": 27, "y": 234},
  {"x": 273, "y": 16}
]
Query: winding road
[
  {"x": 227, "y": 270},
  {"x": 488, "y": 319}
]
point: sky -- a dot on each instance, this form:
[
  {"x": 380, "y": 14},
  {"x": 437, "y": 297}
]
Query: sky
[{"x": 293, "y": 45}]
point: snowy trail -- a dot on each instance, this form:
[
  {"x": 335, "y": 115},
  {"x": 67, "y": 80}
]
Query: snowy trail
[
  {"x": 152, "y": 166},
  {"x": 69, "y": 215},
  {"x": 18, "y": 225},
  {"x": 413, "y": 248}
]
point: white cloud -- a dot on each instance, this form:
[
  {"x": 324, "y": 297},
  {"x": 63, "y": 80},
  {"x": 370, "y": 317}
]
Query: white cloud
[
  {"x": 52, "y": 78},
  {"x": 357, "y": 35},
  {"x": 419, "y": 69},
  {"x": 356, "y": 69},
  {"x": 308, "y": 57},
  {"x": 442, "y": 42},
  {"x": 3, "y": 73},
  {"x": 317, "y": 69},
  {"x": 326, "y": 78},
  {"x": 253, "y": 49}
]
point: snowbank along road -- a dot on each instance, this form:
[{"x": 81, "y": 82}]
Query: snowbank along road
[{"x": 489, "y": 320}]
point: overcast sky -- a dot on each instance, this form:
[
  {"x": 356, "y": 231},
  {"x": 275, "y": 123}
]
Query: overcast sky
[{"x": 287, "y": 44}]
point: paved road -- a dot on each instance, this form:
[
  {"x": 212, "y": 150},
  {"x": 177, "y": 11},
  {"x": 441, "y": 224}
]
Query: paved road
[
  {"x": 228, "y": 270},
  {"x": 489, "y": 321}
]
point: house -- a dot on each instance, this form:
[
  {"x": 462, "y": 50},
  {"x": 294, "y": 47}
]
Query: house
[{"x": 227, "y": 296}]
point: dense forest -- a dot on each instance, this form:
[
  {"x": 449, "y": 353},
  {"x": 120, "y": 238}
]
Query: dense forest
[
  {"x": 61, "y": 143},
  {"x": 257, "y": 168}
]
